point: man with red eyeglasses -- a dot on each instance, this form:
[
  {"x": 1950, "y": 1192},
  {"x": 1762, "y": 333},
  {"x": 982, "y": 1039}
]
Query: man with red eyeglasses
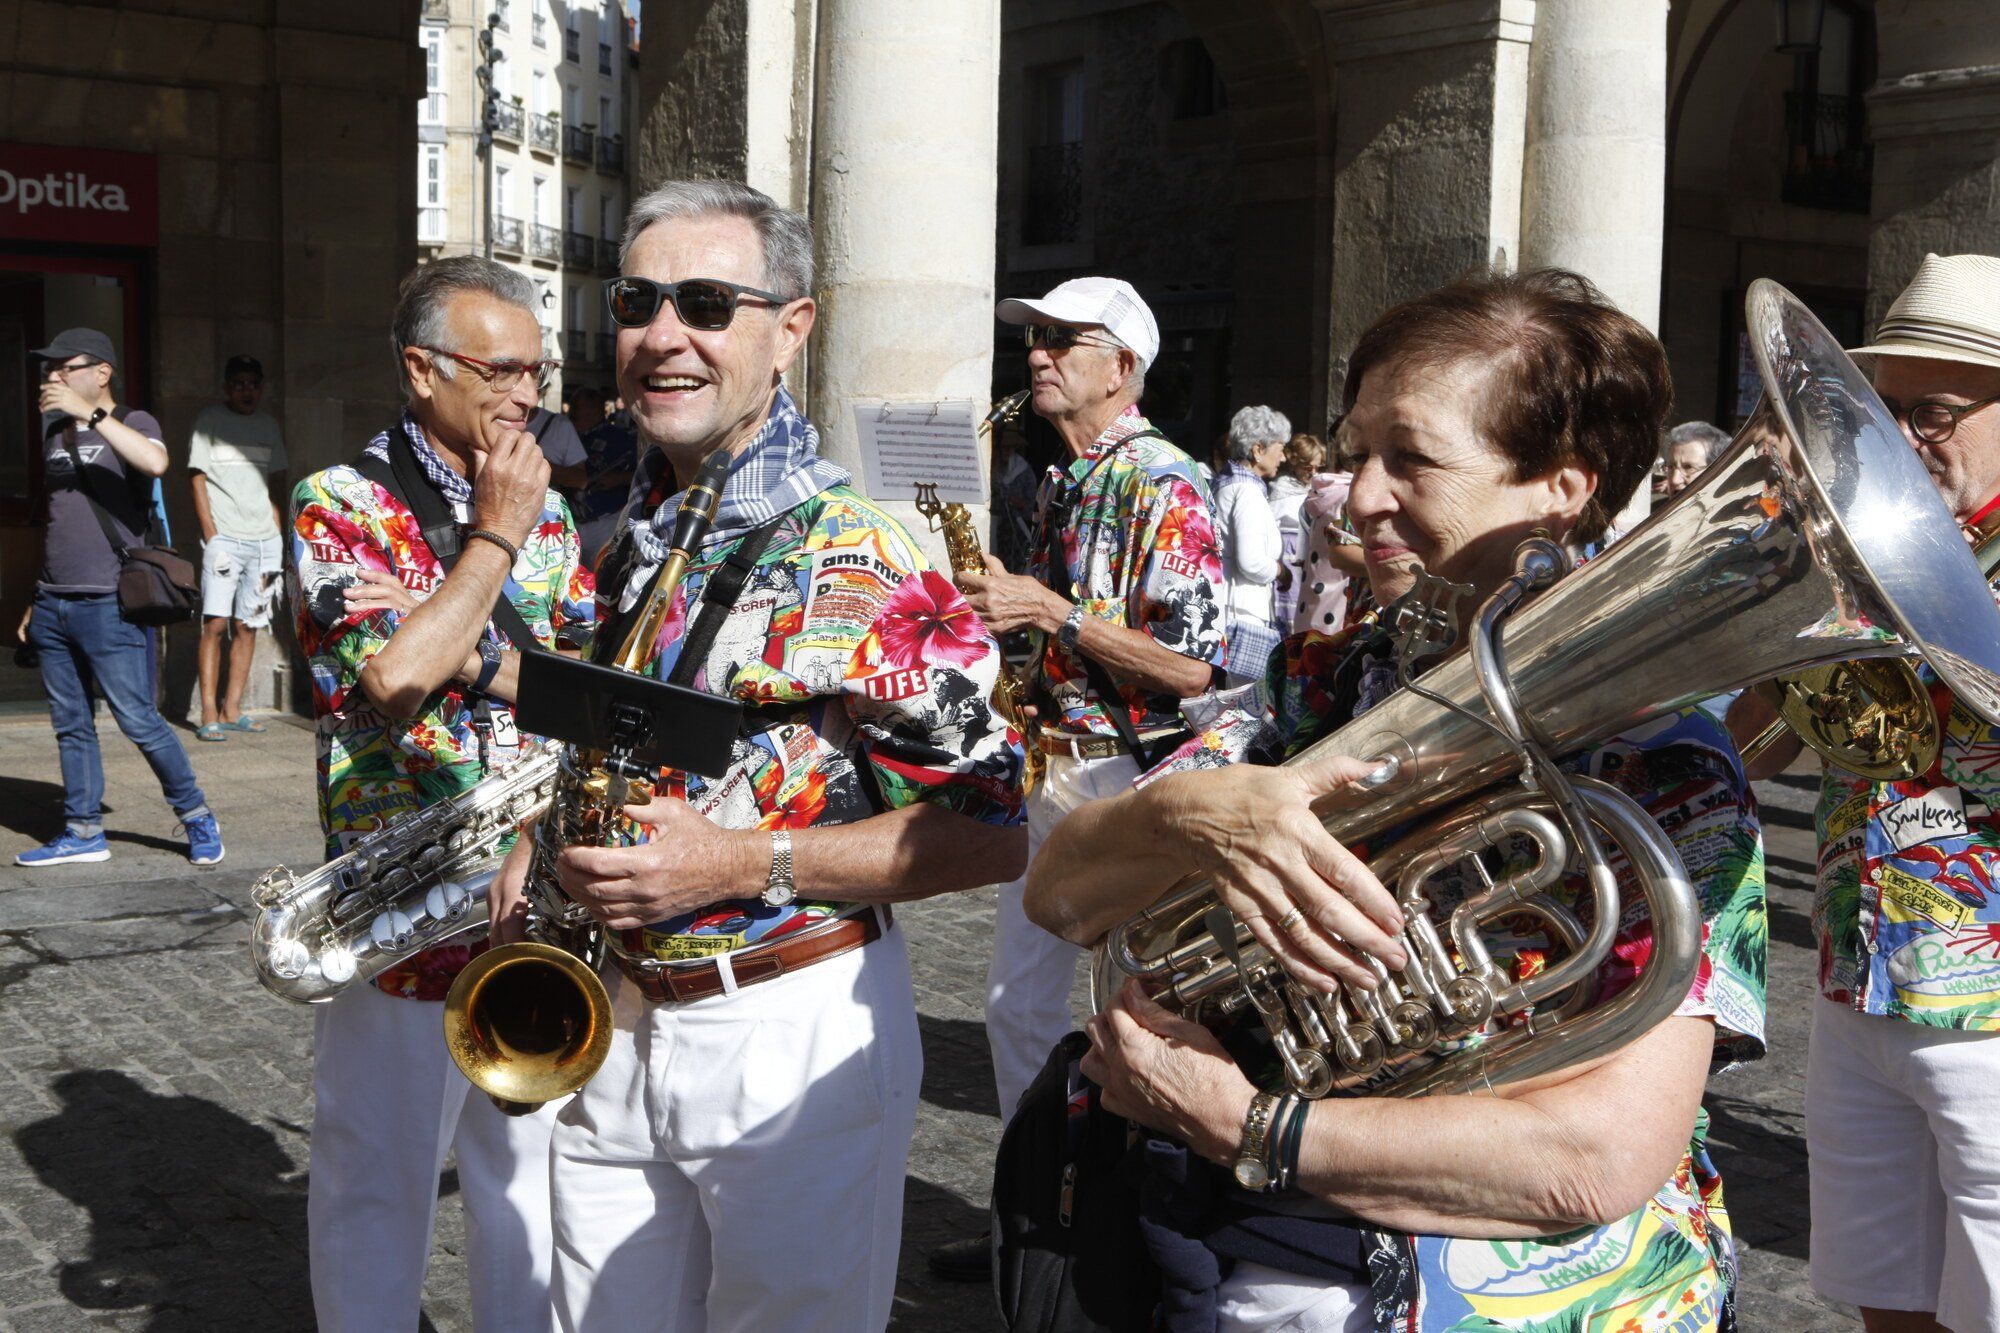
[
  {"x": 423, "y": 569},
  {"x": 1903, "y": 1074}
]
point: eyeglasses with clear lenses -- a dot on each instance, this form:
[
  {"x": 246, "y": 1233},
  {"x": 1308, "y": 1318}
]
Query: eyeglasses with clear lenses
[
  {"x": 68, "y": 367},
  {"x": 1059, "y": 337},
  {"x": 1934, "y": 422},
  {"x": 707, "y": 304},
  {"x": 504, "y": 376}
]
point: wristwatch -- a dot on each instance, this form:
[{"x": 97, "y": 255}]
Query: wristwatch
[
  {"x": 779, "y": 890},
  {"x": 1252, "y": 1170},
  {"x": 96, "y": 417},
  {"x": 489, "y": 665},
  {"x": 1072, "y": 627}
]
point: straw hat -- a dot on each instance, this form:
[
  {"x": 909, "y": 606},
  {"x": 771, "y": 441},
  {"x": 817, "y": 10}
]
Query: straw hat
[{"x": 1949, "y": 312}]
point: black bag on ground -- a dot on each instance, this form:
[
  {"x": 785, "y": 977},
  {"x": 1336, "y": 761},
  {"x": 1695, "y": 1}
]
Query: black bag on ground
[
  {"x": 155, "y": 585},
  {"x": 1068, "y": 1257}
]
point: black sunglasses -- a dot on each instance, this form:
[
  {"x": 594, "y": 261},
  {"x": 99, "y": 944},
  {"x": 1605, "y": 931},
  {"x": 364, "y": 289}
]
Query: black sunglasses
[
  {"x": 707, "y": 304},
  {"x": 1059, "y": 337}
]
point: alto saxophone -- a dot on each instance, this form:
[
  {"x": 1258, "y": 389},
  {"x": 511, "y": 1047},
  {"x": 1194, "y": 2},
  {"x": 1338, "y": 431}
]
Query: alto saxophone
[{"x": 961, "y": 544}]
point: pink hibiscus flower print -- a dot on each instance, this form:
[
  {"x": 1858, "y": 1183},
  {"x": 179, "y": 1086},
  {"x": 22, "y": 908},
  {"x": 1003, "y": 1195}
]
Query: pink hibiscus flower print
[{"x": 926, "y": 621}]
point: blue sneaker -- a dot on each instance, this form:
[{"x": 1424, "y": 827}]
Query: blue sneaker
[
  {"x": 204, "y": 839},
  {"x": 66, "y": 848}
]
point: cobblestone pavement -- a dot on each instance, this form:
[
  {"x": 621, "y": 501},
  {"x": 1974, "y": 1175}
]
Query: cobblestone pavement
[{"x": 155, "y": 1108}]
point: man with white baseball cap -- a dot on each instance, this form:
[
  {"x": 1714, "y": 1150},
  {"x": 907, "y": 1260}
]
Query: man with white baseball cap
[
  {"x": 1903, "y": 1074},
  {"x": 1123, "y": 597}
]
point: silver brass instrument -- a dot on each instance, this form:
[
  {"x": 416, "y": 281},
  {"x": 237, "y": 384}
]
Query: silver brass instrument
[
  {"x": 1817, "y": 537},
  {"x": 400, "y": 889}
]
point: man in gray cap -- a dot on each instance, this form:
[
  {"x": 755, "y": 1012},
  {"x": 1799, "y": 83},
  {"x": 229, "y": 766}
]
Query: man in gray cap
[{"x": 100, "y": 461}]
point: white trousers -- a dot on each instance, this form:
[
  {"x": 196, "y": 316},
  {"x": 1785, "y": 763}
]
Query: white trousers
[
  {"x": 387, "y": 1105},
  {"x": 737, "y": 1165},
  {"x": 1903, "y": 1133},
  {"x": 1029, "y": 979}
]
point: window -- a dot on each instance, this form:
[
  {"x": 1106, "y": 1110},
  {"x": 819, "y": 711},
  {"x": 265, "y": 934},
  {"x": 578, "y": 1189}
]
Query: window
[
  {"x": 604, "y": 125},
  {"x": 539, "y": 26},
  {"x": 572, "y": 41},
  {"x": 574, "y": 296},
  {"x": 430, "y": 192},
  {"x": 432, "y": 107},
  {"x": 1829, "y": 161},
  {"x": 500, "y": 12},
  {"x": 503, "y": 191},
  {"x": 573, "y": 208},
  {"x": 540, "y": 199},
  {"x": 572, "y": 105},
  {"x": 607, "y": 217},
  {"x": 1188, "y": 77},
  {"x": 1052, "y": 202}
]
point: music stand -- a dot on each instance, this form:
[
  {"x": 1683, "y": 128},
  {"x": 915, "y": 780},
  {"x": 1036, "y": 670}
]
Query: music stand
[{"x": 634, "y": 720}]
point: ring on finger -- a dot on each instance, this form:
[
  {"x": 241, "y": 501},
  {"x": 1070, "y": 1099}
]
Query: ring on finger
[{"x": 1291, "y": 918}]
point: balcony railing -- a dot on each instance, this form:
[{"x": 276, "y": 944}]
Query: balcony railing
[
  {"x": 1053, "y": 207},
  {"x": 507, "y": 118},
  {"x": 572, "y": 46},
  {"x": 1830, "y": 164},
  {"x": 544, "y": 133},
  {"x": 544, "y": 243},
  {"x": 576, "y": 144},
  {"x": 437, "y": 10},
  {"x": 578, "y": 252},
  {"x": 611, "y": 154},
  {"x": 507, "y": 234},
  {"x": 604, "y": 57},
  {"x": 430, "y": 111},
  {"x": 430, "y": 226},
  {"x": 607, "y": 254},
  {"x": 576, "y": 347}
]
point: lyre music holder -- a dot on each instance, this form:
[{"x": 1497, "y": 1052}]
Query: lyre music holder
[{"x": 635, "y": 721}]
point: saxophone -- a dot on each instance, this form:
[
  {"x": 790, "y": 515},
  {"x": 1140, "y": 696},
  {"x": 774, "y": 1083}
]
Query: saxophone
[{"x": 961, "y": 544}]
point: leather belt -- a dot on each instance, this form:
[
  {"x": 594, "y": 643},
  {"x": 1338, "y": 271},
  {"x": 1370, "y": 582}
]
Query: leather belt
[
  {"x": 1092, "y": 746},
  {"x": 697, "y": 981}
]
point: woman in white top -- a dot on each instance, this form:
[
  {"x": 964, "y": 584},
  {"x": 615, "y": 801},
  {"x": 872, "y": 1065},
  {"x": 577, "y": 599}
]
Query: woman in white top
[
  {"x": 1247, "y": 531},
  {"x": 1302, "y": 458}
]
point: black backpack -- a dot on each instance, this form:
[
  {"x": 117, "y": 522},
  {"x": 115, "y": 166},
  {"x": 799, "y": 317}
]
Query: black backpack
[{"x": 1068, "y": 1253}]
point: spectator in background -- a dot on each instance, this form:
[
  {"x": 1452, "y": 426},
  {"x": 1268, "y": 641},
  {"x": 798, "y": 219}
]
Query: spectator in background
[
  {"x": 100, "y": 460},
  {"x": 1690, "y": 447},
  {"x": 611, "y": 451},
  {"x": 236, "y": 466},
  {"x": 1247, "y": 532},
  {"x": 561, "y": 445},
  {"x": 1304, "y": 455},
  {"x": 1330, "y": 562},
  {"x": 1014, "y": 484}
]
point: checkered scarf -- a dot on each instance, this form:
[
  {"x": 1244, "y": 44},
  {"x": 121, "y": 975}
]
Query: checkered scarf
[
  {"x": 454, "y": 488},
  {"x": 780, "y": 470}
]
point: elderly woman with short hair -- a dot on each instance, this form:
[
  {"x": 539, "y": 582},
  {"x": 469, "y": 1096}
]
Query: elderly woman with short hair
[
  {"x": 1247, "y": 531},
  {"x": 1579, "y": 1200}
]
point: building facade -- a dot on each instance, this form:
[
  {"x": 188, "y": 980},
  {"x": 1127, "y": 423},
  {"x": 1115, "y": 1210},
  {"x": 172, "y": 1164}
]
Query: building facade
[{"x": 535, "y": 177}]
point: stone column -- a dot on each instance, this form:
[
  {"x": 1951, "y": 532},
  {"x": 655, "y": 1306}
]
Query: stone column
[
  {"x": 904, "y": 169},
  {"x": 1594, "y": 178},
  {"x": 1430, "y": 104},
  {"x": 1934, "y": 118}
]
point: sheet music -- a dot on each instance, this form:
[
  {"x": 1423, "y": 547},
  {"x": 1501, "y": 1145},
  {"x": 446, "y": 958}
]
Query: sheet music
[{"x": 908, "y": 443}]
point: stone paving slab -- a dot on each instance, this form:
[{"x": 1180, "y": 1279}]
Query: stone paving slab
[{"x": 155, "y": 1102}]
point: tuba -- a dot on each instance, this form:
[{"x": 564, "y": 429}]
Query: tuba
[{"x": 1816, "y": 538}]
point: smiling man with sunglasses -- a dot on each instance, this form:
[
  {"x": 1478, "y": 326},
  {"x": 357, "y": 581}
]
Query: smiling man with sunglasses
[
  {"x": 738, "y": 1161},
  {"x": 1903, "y": 1071},
  {"x": 423, "y": 569}
]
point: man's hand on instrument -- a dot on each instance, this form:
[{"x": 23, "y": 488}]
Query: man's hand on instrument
[
  {"x": 506, "y": 901},
  {"x": 1007, "y": 602},
  {"x": 1315, "y": 905},
  {"x": 510, "y": 485},
  {"x": 689, "y": 863},
  {"x": 1167, "y": 1074}
]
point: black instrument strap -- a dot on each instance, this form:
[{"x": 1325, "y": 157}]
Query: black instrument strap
[
  {"x": 718, "y": 599},
  {"x": 404, "y": 478}
]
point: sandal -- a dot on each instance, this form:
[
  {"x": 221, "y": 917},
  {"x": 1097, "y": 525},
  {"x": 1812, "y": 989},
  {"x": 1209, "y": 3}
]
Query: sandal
[
  {"x": 245, "y": 722},
  {"x": 212, "y": 731}
]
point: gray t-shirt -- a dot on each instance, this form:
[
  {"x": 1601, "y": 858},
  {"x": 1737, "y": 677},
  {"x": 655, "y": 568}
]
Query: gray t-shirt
[
  {"x": 238, "y": 453},
  {"x": 557, "y": 436},
  {"x": 75, "y": 556}
]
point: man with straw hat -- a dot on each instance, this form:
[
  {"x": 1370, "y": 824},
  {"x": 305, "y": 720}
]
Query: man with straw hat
[{"x": 1903, "y": 1074}]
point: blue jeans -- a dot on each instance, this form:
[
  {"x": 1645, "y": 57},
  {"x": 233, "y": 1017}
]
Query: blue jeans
[{"x": 84, "y": 642}]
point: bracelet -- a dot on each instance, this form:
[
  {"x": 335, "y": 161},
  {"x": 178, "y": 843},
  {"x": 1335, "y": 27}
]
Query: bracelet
[
  {"x": 1291, "y": 1141},
  {"x": 486, "y": 535}
]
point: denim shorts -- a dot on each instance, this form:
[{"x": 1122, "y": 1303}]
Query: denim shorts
[{"x": 239, "y": 578}]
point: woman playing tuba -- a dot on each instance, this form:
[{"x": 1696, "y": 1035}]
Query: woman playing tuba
[{"x": 1580, "y": 1198}]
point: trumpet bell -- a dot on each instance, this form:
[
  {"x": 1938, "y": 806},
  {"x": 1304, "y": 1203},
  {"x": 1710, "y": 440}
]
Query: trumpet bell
[
  {"x": 1871, "y": 717},
  {"x": 527, "y": 1023}
]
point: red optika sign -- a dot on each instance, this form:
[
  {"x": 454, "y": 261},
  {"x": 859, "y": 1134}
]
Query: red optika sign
[{"x": 90, "y": 195}]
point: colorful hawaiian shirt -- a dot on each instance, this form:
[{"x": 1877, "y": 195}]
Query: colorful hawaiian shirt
[
  {"x": 1907, "y": 912},
  {"x": 373, "y": 768},
  {"x": 1139, "y": 551},
  {"x": 868, "y": 683},
  {"x": 1671, "y": 1265}
]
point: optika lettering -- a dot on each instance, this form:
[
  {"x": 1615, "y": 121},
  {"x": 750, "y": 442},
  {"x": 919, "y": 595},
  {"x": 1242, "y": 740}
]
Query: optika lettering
[{"x": 71, "y": 189}]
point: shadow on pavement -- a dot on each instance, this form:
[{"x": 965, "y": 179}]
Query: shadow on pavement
[
  {"x": 1762, "y": 1154},
  {"x": 932, "y": 1216},
  {"x": 958, "y": 1065},
  {"x": 32, "y": 807},
  {"x": 195, "y": 1214}
]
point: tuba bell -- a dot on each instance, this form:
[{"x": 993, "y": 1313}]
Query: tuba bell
[{"x": 1816, "y": 538}]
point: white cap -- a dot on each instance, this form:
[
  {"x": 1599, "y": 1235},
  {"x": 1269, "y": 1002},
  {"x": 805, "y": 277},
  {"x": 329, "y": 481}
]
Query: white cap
[{"x": 1106, "y": 303}]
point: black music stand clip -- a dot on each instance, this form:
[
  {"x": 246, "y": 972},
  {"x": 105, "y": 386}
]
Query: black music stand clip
[{"x": 638, "y": 723}]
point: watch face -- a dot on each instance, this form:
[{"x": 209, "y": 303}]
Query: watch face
[
  {"x": 1250, "y": 1174},
  {"x": 779, "y": 894}
]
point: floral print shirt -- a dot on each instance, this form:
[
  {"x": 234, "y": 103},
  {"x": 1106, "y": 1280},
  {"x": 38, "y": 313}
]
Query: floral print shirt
[
  {"x": 373, "y": 768},
  {"x": 1139, "y": 550},
  {"x": 1671, "y": 1265},
  {"x": 1907, "y": 912},
  {"x": 867, "y": 681}
]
